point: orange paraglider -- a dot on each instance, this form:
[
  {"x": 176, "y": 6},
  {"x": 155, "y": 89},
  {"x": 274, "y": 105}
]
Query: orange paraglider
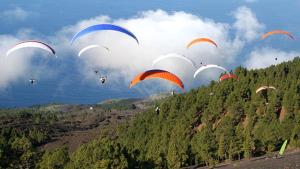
[
  {"x": 156, "y": 73},
  {"x": 277, "y": 32},
  {"x": 201, "y": 40}
]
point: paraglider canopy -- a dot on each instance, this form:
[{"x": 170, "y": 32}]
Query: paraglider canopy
[
  {"x": 277, "y": 32},
  {"x": 102, "y": 27},
  {"x": 228, "y": 76},
  {"x": 156, "y": 73},
  {"x": 31, "y": 44},
  {"x": 90, "y": 47},
  {"x": 264, "y": 88},
  {"x": 198, "y": 40},
  {"x": 208, "y": 67}
]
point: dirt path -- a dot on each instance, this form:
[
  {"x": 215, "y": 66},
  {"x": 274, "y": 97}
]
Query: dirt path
[{"x": 289, "y": 161}]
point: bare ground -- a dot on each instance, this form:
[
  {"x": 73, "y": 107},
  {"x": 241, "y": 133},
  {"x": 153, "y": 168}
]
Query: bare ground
[{"x": 290, "y": 160}]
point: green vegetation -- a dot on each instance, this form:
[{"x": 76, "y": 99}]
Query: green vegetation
[
  {"x": 119, "y": 104},
  {"x": 196, "y": 128}
]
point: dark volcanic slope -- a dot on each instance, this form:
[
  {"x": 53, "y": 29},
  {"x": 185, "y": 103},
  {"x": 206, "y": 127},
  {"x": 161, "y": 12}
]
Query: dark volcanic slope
[{"x": 72, "y": 125}]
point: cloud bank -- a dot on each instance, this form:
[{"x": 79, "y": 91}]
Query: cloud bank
[
  {"x": 266, "y": 56},
  {"x": 161, "y": 33}
]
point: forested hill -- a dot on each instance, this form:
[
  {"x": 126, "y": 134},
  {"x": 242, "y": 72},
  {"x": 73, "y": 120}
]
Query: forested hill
[
  {"x": 226, "y": 120},
  {"x": 223, "y": 121}
]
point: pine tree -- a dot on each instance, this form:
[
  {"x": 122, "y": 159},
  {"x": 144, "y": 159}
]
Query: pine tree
[
  {"x": 248, "y": 144},
  {"x": 221, "y": 149}
]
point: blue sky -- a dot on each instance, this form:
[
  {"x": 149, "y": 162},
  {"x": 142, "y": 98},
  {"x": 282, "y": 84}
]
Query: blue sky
[
  {"x": 55, "y": 21},
  {"x": 68, "y": 12}
]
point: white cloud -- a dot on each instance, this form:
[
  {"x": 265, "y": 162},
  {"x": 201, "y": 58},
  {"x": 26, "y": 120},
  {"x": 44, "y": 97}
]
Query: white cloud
[
  {"x": 264, "y": 57},
  {"x": 16, "y": 13},
  {"x": 247, "y": 25},
  {"x": 11, "y": 68}
]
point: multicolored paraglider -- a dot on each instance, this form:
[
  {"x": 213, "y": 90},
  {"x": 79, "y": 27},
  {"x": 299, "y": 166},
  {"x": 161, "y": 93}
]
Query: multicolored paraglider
[
  {"x": 174, "y": 56},
  {"x": 90, "y": 47},
  {"x": 156, "y": 73},
  {"x": 262, "y": 88},
  {"x": 31, "y": 44},
  {"x": 102, "y": 27},
  {"x": 277, "y": 32},
  {"x": 209, "y": 67},
  {"x": 198, "y": 40}
]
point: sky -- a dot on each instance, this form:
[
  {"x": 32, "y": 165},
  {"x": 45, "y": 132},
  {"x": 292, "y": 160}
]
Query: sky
[{"x": 161, "y": 27}]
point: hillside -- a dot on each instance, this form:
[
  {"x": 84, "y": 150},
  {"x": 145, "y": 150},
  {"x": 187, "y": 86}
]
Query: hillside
[
  {"x": 222, "y": 122},
  {"x": 234, "y": 123},
  {"x": 27, "y": 132}
]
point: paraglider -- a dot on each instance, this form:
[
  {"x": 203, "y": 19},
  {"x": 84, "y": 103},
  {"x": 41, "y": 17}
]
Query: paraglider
[
  {"x": 90, "y": 47},
  {"x": 31, "y": 44},
  {"x": 32, "y": 81},
  {"x": 228, "y": 76},
  {"x": 198, "y": 40},
  {"x": 175, "y": 56},
  {"x": 156, "y": 73},
  {"x": 264, "y": 91},
  {"x": 102, "y": 79},
  {"x": 208, "y": 67},
  {"x": 157, "y": 110},
  {"x": 277, "y": 32},
  {"x": 262, "y": 88},
  {"x": 102, "y": 27}
]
